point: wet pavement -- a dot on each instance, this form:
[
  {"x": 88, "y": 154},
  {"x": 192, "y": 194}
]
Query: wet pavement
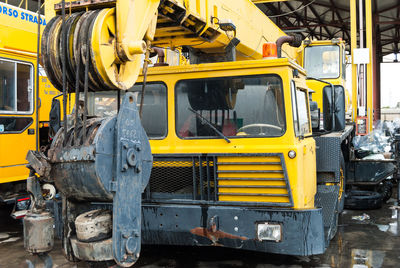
[{"x": 364, "y": 239}]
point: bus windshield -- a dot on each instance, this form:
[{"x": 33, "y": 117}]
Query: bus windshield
[{"x": 322, "y": 61}]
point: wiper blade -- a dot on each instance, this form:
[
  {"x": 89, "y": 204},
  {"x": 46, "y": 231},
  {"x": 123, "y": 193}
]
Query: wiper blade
[{"x": 204, "y": 120}]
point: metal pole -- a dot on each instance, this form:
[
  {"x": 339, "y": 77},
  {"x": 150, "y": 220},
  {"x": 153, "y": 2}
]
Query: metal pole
[
  {"x": 370, "y": 77},
  {"x": 353, "y": 20},
  {"x": 37, "y": 77},
  {"x": 362, "y": 67},
  {"x": 64, "y": 78}
]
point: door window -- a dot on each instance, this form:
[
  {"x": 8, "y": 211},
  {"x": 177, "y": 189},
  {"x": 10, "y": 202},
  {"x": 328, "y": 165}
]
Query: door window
[
  {"x": 300, "y": 111},
  {"x": 16, "y": 87}
]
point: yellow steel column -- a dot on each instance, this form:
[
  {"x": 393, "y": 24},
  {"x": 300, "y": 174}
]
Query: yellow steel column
[
  {"x": 370, "y": 77},
  {"x": 354, "y": 95}
]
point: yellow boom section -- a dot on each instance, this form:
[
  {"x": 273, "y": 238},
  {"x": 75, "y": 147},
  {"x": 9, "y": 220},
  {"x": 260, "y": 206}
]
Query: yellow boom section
[
  {"x": 253, "y": 28},
  {"x": 122, "y": 31}
]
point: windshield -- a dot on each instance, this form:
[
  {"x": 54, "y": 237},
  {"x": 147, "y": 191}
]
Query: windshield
[
  {"x": 322, "y": 61},
  {"x": 250, "y": 106}
]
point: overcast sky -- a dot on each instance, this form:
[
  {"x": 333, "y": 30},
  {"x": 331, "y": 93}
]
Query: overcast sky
[{"x": 390, "y": 82}]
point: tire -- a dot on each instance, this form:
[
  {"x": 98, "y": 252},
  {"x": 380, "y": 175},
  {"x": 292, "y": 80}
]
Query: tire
[
  {"x": 386, "y": 190},
  {"x": 341, "y": 201},
  {"x": 363, "y": 200},
  {"x": 94, "y": 225}
]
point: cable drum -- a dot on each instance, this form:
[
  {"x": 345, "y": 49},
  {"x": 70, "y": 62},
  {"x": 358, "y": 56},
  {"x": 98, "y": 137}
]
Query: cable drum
[
  {"x": 46, "y": 52},
  {"x": 68, "y": 49},
  {"x": 94, "y": 30}
]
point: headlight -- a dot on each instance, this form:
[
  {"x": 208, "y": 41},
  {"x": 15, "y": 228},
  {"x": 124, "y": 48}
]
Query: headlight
[
  {"x": 292, "y": 154},
  {"x": 269, "y": 232}
]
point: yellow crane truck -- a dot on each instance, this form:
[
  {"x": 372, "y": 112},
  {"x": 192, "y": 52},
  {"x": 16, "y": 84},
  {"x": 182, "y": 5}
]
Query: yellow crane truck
[
  {"x": 24, "y": 102},
  {"x": 229, "y": 154}
]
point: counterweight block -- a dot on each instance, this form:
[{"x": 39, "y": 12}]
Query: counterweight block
[{"x": 111, "y": 162}]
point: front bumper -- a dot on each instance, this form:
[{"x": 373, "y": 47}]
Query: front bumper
[{"x": 233, "y": 227}]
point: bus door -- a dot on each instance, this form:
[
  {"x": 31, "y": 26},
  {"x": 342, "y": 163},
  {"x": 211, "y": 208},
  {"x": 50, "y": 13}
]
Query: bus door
[{"x": 17, "y": 118}]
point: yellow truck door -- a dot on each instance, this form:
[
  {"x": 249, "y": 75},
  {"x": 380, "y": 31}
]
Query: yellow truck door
[{"x": 17, "y": 117}]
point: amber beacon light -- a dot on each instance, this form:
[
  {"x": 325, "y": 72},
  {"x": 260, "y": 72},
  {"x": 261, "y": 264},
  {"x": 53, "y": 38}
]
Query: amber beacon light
[{"x": 269, "y": 51}]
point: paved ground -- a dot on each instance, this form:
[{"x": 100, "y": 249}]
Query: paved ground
[{"x": 373, "y": 242}]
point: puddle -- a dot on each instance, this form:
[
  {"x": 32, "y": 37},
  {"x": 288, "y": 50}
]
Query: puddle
[
  {"x": 12, "y": 239},
  {"x": 4, "y": 236},
  {"x": 394, "y": 212},
  {"x": 392, "y": 228},
  {"x": 364, "y": 258},
  {"x": 383, "y": 227}
]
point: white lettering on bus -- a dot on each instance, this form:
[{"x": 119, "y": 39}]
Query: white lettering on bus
[{"x": 22, "y": 16}]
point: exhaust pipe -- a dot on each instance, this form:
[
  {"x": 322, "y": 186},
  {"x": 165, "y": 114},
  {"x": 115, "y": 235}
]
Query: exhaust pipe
[{"x": 292, "y": 40}]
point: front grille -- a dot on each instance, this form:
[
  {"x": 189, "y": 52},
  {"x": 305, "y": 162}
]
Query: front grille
[
  {"x": 250, "y": 178},
  {"x": 257, "y": 178},
  {"x": 185, "y": 177}
]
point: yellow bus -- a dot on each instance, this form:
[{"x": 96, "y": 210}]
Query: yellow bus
[{"x": 24, "y": 121}]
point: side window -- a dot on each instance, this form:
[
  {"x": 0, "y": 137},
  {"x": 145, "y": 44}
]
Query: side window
[
  {"x": 303, "y": 112},
  {"x": 154, "y": 117},
  {"x": 16, "y": 87},
  {"x": 344, "y": 64},
  {"x": 14, "y": 124},
  {"x": 300, "y": 110},
  {"x": 294, "y": 108}
]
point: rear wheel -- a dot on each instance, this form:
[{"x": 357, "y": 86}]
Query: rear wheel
[
  {"x": 363, "y": 200},
  {"x": 342, "y": 185},
  {"x": 386, "y": 190}
]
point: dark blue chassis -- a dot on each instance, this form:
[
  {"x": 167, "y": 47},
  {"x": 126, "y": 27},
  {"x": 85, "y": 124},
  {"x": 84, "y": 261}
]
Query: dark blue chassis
[{"x": 234, "y": 227}]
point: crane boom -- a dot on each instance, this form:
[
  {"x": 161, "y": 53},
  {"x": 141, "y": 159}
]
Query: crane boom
[{"x": 208, "y": 27}]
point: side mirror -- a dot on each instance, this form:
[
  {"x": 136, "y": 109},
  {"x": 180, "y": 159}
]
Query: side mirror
[
  {"x": 334, "y": 105},
  {"x": 55, "y": 117}
]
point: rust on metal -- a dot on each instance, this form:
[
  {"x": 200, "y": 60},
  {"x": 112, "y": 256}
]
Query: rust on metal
[
  {"x": 39, "y": 162},
  {"x": 216, "y": 235},
  {"x": 92, "y": 251}
]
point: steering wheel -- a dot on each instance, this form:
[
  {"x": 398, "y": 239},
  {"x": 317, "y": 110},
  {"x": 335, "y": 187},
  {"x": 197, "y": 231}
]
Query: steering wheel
[{"x": 261, "y": 127}]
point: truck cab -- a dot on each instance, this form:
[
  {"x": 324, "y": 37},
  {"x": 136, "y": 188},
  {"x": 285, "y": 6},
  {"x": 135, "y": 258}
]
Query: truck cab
[
  {"x": 232, "y": 147},
  {"x": 324, "y": 60}
]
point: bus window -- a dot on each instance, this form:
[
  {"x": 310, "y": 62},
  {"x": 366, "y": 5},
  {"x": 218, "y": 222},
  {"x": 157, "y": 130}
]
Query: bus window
[{"x": 16, "y": 90}]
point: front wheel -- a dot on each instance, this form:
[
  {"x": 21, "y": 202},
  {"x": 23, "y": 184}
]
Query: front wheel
[{"x": 342, "y": 184}]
